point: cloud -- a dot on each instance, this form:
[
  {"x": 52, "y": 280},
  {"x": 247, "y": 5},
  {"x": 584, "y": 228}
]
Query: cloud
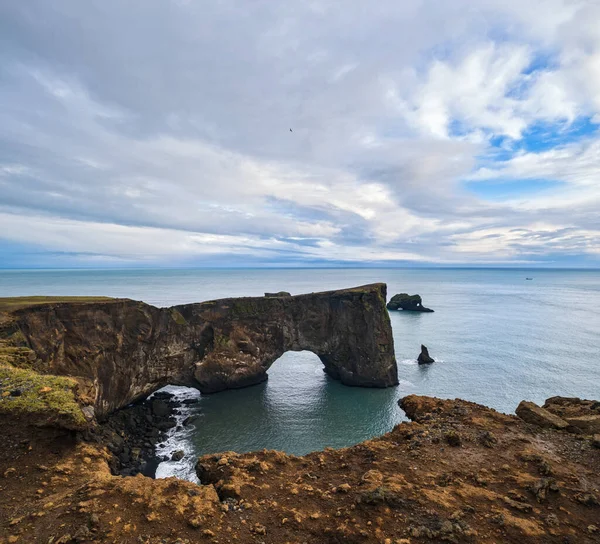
[{"x": 155, "y": 131}]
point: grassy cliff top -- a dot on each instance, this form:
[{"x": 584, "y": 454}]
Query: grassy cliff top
[
  {"x": 16, "y": 303},
  {"x": 42, "y": 399}
]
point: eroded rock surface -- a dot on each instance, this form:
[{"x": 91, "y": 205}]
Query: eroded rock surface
[
  {"x": 458, "y": 472},
  {"x": 583, "y": 415},
  {"x": 534, "y": 414},
  {"x": 406, "y": 302},
  {"x": 120, "y": 350}
]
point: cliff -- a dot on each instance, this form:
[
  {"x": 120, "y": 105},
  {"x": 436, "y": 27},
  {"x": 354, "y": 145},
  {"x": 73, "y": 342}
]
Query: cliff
[{"x": 118, "y": 350}]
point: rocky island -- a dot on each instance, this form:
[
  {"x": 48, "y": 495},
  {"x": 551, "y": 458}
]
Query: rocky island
[
  {"x": 408, "y": 303},
  {"x": 424, "y": 358}
]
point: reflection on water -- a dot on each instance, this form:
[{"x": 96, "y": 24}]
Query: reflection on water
[{"x": 299, "y": 409}]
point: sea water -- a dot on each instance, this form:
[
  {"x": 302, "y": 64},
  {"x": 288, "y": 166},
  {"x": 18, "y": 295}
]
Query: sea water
[{"x": 497, "y": 338}]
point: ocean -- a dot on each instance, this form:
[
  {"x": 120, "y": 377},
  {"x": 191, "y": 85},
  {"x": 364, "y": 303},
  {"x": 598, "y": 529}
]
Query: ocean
[{"x": 497, "y": 339}]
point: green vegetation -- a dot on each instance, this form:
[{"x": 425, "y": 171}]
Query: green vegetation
[
  {"x": 42, "y": 399},
  {"x": 247, "y": 306},
  {"x": 16, "y": 303},
  {"x": 177, "y": 317},
  {"x": 13, "y": 348}
]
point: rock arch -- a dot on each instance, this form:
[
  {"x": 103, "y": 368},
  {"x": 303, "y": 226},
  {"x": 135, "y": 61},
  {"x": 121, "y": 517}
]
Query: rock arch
[{"x": 122, "y": 349}]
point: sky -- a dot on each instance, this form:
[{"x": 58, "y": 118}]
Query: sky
[{"x": 317, "y": 133}]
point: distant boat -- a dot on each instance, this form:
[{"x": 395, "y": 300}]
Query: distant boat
[{"x": 528, "y": 278}]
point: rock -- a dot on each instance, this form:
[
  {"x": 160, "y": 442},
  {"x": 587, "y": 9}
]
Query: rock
[
  {"x": 178, "y": 455},
  {"x": 348, "y": 329},
  {"x": 194, "y": 400},
  {"x": 278, "y": 294},
  {"x": 16, "y": 392},
  {"x": 406, "y": 302},
  {"x": 163, "y": 395},
  {"x": 160, "y": 408},
  {"x": 424, "y": 357},
  {"x": 88, "y": 412},
  {"x": 259, "y": 529},
  {"x": 586, "y": 424},
  {"x": 596, "y": 441},
  {"x": 536, "y": 415},
  {"x": 166, "y": 425},
  {"x": 581, "y": 414}
]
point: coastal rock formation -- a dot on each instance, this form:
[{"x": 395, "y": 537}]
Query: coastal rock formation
[
  {"x": 573, "y": 414},
  {"x": 458, "y": 472},
  {"x": 119, "y": 350},
  {"x": 583, "y": 415},
  {"x": 534, "y": 414},
  {"x": 406, "y": 302},
  {"x": 424, "y": 357}
]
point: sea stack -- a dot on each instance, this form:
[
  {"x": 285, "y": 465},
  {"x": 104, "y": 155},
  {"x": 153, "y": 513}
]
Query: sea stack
[
  {"x": 408, "y": 303},
  {"x": 424, "y": 358}
]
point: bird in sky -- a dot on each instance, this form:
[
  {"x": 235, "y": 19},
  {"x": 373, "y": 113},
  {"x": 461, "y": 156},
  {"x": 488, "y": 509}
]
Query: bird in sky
[{"x": 291, "y": 130}]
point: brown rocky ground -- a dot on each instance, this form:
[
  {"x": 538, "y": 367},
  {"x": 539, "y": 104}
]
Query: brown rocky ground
[{"x": 459, "y": 472}]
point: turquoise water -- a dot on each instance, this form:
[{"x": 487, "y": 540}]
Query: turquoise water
[{"x": 497, "y": 337}]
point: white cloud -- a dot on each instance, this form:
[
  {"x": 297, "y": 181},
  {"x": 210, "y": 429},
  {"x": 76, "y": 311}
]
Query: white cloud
[{"x": 151, "y": 130}]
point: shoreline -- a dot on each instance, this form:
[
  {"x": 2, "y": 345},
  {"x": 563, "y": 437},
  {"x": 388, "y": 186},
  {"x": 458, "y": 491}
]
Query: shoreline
[{"x": 457, "y": 472}]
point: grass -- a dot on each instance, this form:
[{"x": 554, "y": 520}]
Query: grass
[
  {"x": 44, "y": 400},
  {"x": 16, "y": 303},
  {"x": 177, "y": 317}
]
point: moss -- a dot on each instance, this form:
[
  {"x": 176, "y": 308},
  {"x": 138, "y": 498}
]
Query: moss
[
  {"x": 245, "y": 307},
  {"x": 177, "y": 317},
  {"x": 44, "y": 399}
]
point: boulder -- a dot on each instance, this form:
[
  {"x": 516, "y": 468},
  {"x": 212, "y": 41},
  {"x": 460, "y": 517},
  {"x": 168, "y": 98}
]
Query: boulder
[
  {"x": 160, "y": 408},
  {"x": 585, "y": 424},
  {"x": 408, "y": 303},
  {"x": 583, "y": 415},
  {"x": 177, "y": 455},
  {"x": 536, "y": 415},
  {"x": 424, "y": 357}
]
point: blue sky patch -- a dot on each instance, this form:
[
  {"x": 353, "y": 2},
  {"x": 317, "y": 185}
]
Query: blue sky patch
[
  {"x": 508, "y": 189},
  {"x": 541, "y": 137}
]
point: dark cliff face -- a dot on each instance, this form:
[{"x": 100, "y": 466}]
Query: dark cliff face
[{"x": 123, "y": 349}]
